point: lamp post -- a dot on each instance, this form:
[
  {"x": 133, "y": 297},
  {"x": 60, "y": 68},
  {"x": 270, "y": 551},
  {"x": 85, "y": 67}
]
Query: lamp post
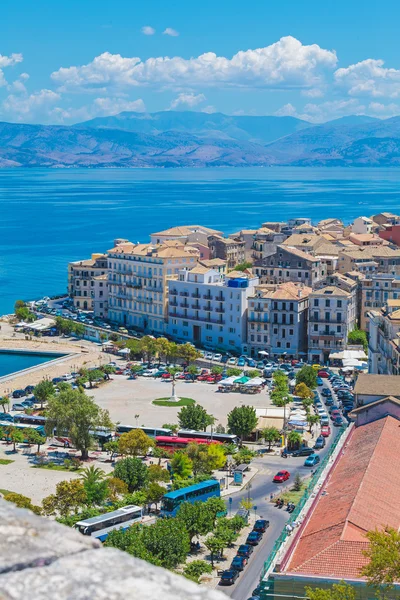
[{"x": 136, "y": 418}]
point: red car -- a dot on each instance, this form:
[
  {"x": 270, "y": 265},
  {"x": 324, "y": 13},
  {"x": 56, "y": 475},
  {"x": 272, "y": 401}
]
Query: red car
[
  {"x": 325, "y": 431},
  {"x": 281, "y": 476},
  {"x": 203, "y": 377},
  {"x": 323, "y": 374}
]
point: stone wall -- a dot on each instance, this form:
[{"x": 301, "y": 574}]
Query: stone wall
[{"x": 41, "y": 559}]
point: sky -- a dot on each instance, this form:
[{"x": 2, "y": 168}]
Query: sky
[{"x": 69, "y": 61}]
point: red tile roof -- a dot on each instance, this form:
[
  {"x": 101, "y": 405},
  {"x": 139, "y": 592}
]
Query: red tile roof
[{"x": 363, "y": 493}]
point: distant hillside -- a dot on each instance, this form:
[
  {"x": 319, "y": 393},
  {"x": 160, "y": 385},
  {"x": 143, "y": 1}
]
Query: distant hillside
[
  {"x": 190, "y": 139},
  {"x": 260, "y": 130}
]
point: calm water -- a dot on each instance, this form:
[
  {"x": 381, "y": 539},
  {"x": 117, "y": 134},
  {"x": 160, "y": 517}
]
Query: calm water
[
  {"x": 9, "y": 363},
  {"x": 50, "y": 217}
]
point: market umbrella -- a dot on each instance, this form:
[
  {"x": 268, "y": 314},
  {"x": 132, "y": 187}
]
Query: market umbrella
[
  {"x": 263, "y": 353},
  {"x": 254, "y": 382},
  {"x": 242, "y": 380},
  {"x": 124, "y": 351}
]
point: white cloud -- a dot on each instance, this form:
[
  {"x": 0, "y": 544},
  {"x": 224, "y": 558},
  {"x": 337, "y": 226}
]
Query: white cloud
[
  {"x": 369, "y": 78},
  {"x": 25, "y": 107},
  {"x": 113, "y": 106},
  {"x": 8, "y": 61},
  {"x": 285, "y": 64},
  {"x": 188, "y": 100},
  {"x": 18, "y": 85},
  {"x": 325, "y": 111},
  {"x": 147, "y": 30},
  {"x": 171, "y": 32},
  {"x": 287, "y": 110},
  {"x": 209, "y": 109},
  {"x": 313, "y": 93}
]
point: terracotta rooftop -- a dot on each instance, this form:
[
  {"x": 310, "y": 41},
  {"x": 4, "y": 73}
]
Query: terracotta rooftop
[
  {"x": 184, "y": 230},
  {"x": 213, "y": 262},
  {"x": 330, "y": 290},
  {"x": 378, "y": 385},
  {"x": 299, "y": 253},
  {"x": 363, "y": 493},
  {"x": 303, "y": 240},
  {"x": 286, "y": 291}
]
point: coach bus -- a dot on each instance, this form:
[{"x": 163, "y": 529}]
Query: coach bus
[
  {"x": 29, "y": 419},
  {"x": 8, "y": 425},
  {"x": 176, "y": 442},
  {"x": 152, "y": 432},
  {"x": 225, "y": 438},
  {"x": 200, "y": 492},
  {"x": 99, "y": 527}
]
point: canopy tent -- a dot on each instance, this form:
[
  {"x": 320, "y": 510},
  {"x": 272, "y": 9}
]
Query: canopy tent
[
  {"x": 254, "y": 382},
  {"x": 242, "y": 380},
  {"x": 348, "y": 354},
  {"x": 22, "y": 324},
  {"x": 297, "y": 423},
  {"x": 42, "y": 324},
  {"x": 124, "y": 351},
  {"x": 263, "y": 353},
  {"x": 228, "y": 380},
  {"x": 109, "y": 343},
  {"x": 351, "y": 362}
]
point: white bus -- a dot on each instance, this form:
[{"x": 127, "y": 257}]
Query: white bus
[{"x": 99, "y": 527}]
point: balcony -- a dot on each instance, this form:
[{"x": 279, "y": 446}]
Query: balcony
[
  {"x": 196, "y": 295},
  {"x": 173, "y": 292},
  {"x": 196, "y": 306},
  {"x": 220, "y": 298},
  {"x": 197, "y": 319},
  {"x": 207, "y": 296},
  {"x": 220, "y": 310},
  {"x": 184, "y": 294},
  {"x": 173, "y": 303},
  {"x": 184, "y": 304},
  {"x": 208, "y": 308}
]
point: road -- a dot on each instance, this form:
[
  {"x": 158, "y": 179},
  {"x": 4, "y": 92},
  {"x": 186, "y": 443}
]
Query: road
[{"x": 261, "y": 488}]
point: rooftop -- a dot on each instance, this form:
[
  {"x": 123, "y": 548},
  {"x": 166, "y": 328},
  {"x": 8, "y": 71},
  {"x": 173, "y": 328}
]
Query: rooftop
[
  {"x": 362, "y": 493},
  {"x": 378, "y": 385},
  {"x": 184, "y": 230},
  {"x": 330, "y": 290},
  {"x": 299, "y": 253},
  {"x": 303, "y": 239},
  {"x": 286, "y": 291}
]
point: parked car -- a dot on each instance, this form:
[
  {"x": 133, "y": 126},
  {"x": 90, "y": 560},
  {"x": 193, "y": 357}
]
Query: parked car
[
  {"x": 209, "y": 356},
  {"x": 304, "y": 451},
  {"x": 67, "y": 377},
  {"x": 251, "y": 363},
  {"x": 245, "y": 550},
  {"x": 260, "y": 364},
  {"x": 218, "y": 357},
  {"x": 325, "y": 431},
  {"x": 312, "y": 460},
  {"x": 239, "y": 563},
  {"x": 241, "y": 362},
  {"x": 335, "y": 413},
  {"x": 319, "y": 381},
  {"x": 229, "y": 577},
  {"x": 232, "y": 361},
  {"x": 326, "y": 392},
  {"x": 338, "y": 421},
  {"x": 329, "y": 401},
  {"x": 18, "y": 406},
  {"x": 281, "y": 476},
  {"x": 324, "y": 374},
  {"x": 261, "y": 525},
  {"x": 18, "y": 394},
  {"x": 29, "y": 389},
  {"x": 254, "y": 538},
  {"x": 149, "y": 372},
  {"x": 319, "y": 443}
]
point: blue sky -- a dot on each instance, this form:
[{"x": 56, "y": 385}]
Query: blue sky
[{"x": 68, "y": 61}]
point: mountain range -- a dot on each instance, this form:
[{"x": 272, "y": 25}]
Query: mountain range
[{"x": 195, "y": 139}]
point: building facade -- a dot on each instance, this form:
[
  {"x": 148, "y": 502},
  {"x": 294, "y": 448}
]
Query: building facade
[
  {"x": 210, "y": 310},
  {"x": 384, "y": 340},
  {"x": 376, "y": 291},
  {"x": 289, "y": 264},
  {"x": 233, "y": 251},
  {"x": 100, "y": 296},
  {"x": 81, "y": 280}
]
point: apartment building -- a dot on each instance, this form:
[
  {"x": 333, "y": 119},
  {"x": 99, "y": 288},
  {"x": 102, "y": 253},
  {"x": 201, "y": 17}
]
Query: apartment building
[
  {"x": 369, "y": 259},
  {"x": 277, "y": 320},
  {"x": 384, "y": 340},
  {"x": 386, "y": 218},
  {"x": 332, "y": 315},
  {"x": 81, "y": 280},
  {"x": 362, "y": 225},
  {"x": 376, "y": 291},
  {"x": 305, "y": 242},
  {"x": 390, "y": 233},
  {"x": 265, "y": 243},
  {"x": 138, "y": 276},
  {"x": 100, "y": 296},
  {"x": 208, "y": 309},
  {"x": 184, "y": 234},
  {"x": 231, "y": 250},
  {"x": 289, "y": 264},
  {"x": 246, "y": 236}
]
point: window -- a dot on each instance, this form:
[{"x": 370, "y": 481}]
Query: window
[
  {"x": 220, "y": 340},
  {"x": 231, "y": 330},
  {"x": 185, "y": 324},
  {"x": 339, "y": 304},
  {"x": 315, "y": 327},
  {"x": 275, "y": 331},
  {"x": 290, "y": 331},
  {"x": 287, "y": 344},
  {"x": 316, "y": 302},
  {"x": 327, "y": 303},
  {"x": 209, "y": 338},
  {"x": 208, "y": 326},
  {"x": 278, "y": 344}
]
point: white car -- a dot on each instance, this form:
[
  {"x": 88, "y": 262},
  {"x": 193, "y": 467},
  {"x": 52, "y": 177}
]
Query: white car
[
  {"x": 209, "y": 356},
  {"x": 150, "y": 373},
  {"x": 218, "y": 357},
  {"x": 67, "y": 377},
  {"x": 232, "y": 361}
]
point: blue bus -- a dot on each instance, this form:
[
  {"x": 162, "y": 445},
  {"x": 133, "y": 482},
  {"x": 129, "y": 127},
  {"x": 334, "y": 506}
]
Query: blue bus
[
  {"x": 9, "y": 424},
  {"x": 200, "y": 492},
  {"x": 99, "y": 527}
]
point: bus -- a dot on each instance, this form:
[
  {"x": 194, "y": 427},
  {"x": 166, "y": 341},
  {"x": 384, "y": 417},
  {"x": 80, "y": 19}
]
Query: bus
[
  {"x": 200, "y": 492},
  {"x": 224, "y": 438},
  {"x": 174, "y": 442},
  {"x": 99, "y": 527},
  {"x": 152, "y": 432},
  {"x": 29, "y": 419},
  {"x": 21, "y": 426}
]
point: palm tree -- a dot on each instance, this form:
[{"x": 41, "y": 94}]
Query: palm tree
[
  {"x": 4, "y": 401},
  {"x": 294, "y": 439},
  {"x": 92, "y": 475},
  {"x": 312, "y": 420}
]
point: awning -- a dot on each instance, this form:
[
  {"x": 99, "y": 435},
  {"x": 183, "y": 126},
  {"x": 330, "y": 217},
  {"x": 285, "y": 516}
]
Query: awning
[
  {"x": 256, "y": 381},
  {"x": 109, "y": 343},
  {"x": 228, "y": 380},
  {"x": 124, "y": 351},
  {"x": 263, "y": 353},
  {"x": 242, "y": 380},
  {"x": 298, "y": 423}
]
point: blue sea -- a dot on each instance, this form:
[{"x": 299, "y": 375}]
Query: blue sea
[
  {"x": 50, "y": 217},
  {"x": 11, "y": 362}
]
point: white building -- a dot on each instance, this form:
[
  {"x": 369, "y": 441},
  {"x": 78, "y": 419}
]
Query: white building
[
  {"x": 100, "y": 296},
  {"x": 208, "y": 309},
  {"x": 362, "y": 225}
]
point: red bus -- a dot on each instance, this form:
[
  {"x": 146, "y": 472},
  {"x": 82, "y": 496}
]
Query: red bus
[{"x": 174, "y": 443}]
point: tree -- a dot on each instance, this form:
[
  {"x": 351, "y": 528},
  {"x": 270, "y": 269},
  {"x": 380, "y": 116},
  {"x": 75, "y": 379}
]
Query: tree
[
  {"x": 33, "y": 436},
  {"x": 244, "y": 456},
  {"x": 339, "y": 591},
  {"x": 75, "y": 414},
  {"x": 181, "y": 465},
  {"x": 163, "y": 348},
  {"x": 294, "y": 439},
  {"x": 195, "y": 569},
  {"x": 214, "y": 506},
  {"x": 95, "y": 375},
  {"x": 17, "y": 437},
  {"x": 233, "y": 372},
  {"x": 226, "y": 532},
  {"x": 4, "y": 402},
  {"x": 43, "y": 391},
  {"x": 69, "y": 497},
  {"x": 312, "y": 420},
  {"x": 131, "y": 541},
  {"x": 358, "y": 337},
  {"x": 216, "y": 370},
  {"x": 297, "y": 483},
  {"x": 172, "y": 426},
  {"x": 154, "y": 493},
  {"x": 116, "y": 488},
  {"x": 246, "y": 503},
  {"x": 189, "y": 353},
  {"x": 133, "y": 472},
  {"x": 216, "y": 456},
  {"x": 243, "y": 266},
  {"x": 303, "y": 391},
  {"x": 271, "y": 435},
  {"x": 195, "y": 519},
  {"x": 22, "y": 312},
  {"x": 135, "y": 369},
  {"x": 242, "y": 420},
  {"x": 308, "y": 376},
  {"x": 201, "y": 463},
  {"x": 195, "y": 417},
  {"x": 192, "y": 371},
  {"x": 168, "y": 541},
  {"x": 112, "y": 447},
  {"x": 157, "y": 473},
  {"x": 148, "y": 347},
  {"x": 108, "y": 370},
  {"x": 96, "y": 487},
  {"x": 215, "y": 545},
  {"x": 135, "y": 443},
  {"x": 22, "y": 502},
  {"x": 78, "y": 329},
  {"x": 383, "y": 553}
]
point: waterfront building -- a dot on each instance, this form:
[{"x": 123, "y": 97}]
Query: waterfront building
[
  {"x": 138, "y": 276},
  {"x": 305, "y": 242},
  {"x": 100, "y": 296},
  {"x": 376, "y": 291},
  {"x": 81, "y": 280},
  {"x": 265, "y": 243},
  {"x": 362, "y": 225},
  {"x": 369, "y": 259},
  {"x": 215, "y": 263},
  {"x": 184, "y": 234},
  {"x": 228, "y": 249},
  {"x": 289, "y": 264},
  {"x": 391, "y": 233},
  {"x": 208, "y": 309},
  {"x": 384, "y": 339},
  {"x": 246, "y": 236},
  {"x": 386, "y": 218},
  {"x": 277, "y": 320},
  {"x": 332, "y": 315}
]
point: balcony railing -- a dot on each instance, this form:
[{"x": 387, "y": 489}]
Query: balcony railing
[
  {"x": 194, "y": 318},
  {"x": 196, "y": 306},
  {"x": 184, "y": 304},
  {"x": 207, "y": 296},
  {"x": 207, "y": 308},
  {"x": 220, "y": 310},
  {"x": 196, "y": 295},
  {"x": 184, "y": 294},
  {"x": 173, "y": 292}
]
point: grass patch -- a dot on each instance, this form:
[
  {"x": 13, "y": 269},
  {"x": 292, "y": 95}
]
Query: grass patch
[
  {"x": 5, "y": 492},
  {"x": 167, "y": 402},
  {"x": 6, "y": 461},
  {"x": 57, "y": 468},
  {"x": 292, "y": 495}
]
